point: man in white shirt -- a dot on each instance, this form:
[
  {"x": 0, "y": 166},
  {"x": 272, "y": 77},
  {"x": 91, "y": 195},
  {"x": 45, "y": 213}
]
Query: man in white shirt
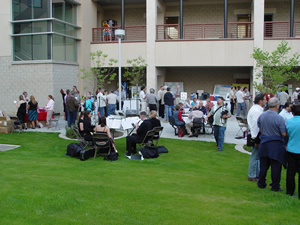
[
  {"x": 255, "y": 111},
  {"x": 286, "y": 112},
  {"x": 283, "y": 98},
  {"x": 143, "y": 97},
  {"x": 295, "y": 95},
  {"x": 240, "y": 97},
  {"x": 101, "y": 99},
  {"x": 111, "y": 101}
]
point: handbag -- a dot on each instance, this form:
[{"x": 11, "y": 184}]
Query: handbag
[
  {"x": 149, "y": 152},
  {"x": 180, "y": 131},
  {"x": 113, "y": 156},
  {"x": 211, "y": 118},
  {"x": 250, "y": 141}
]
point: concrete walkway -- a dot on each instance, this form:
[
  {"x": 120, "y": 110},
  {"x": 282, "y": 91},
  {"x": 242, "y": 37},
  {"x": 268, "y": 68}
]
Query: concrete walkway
[{"x": 168, "y": 132}]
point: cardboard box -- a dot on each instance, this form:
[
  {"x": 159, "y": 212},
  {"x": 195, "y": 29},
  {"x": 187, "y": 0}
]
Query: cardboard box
[
  {"x": 3, "y": 121},
  {"x": 8, "y": 128}
]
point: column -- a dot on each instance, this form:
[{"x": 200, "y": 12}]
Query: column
[
  {"x": 151, "y": 18},
  {"x": 225, "y": 18},
  {"x": 292, "y": 18},
  {"x": 258, "y": 33},
  {"x": 123, "y": 15},
  {"x": 181, "y": 20}
]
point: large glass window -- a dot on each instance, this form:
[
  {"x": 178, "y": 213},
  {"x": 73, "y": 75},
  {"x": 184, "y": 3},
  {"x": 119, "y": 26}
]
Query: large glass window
[{"x": 33, "y": 39}]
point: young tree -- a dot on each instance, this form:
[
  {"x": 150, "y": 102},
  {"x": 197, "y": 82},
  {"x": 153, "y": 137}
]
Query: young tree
[
  {"x": 103, "y": 70},
  {"x": 275, "y": 69},
  {"x": 136, "y": 72}
]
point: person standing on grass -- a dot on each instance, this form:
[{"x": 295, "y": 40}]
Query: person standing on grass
[
  {"x": 271, "y": 149},
  {"x": 220, "y": 114},
  {"x": 143, "y": 97},
  {"x": 293, "y": 151},
  {"x": 256, "y": 110}
]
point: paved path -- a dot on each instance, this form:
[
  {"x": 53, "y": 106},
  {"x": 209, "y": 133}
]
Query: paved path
[{"x": 168, "y": 132}]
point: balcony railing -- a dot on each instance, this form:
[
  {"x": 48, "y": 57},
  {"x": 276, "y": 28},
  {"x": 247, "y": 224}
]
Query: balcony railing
[
  {"x": 281, "y": 29},
  {"x": 200, "y": 31},
  {"x": 204, "y": 31},
  {"x": 107, "y": 34}
]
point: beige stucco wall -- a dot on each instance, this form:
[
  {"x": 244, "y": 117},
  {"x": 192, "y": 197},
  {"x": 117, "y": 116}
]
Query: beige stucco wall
[
  {"x": 129, "y": 50},
  {"x": 5, "y": 28},
  {"x": 204, "y": 53},
  {"x": 133, "y": 16}
]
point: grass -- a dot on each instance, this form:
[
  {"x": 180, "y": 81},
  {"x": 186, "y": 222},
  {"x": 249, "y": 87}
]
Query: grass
[{"x": 192, "y": 184}]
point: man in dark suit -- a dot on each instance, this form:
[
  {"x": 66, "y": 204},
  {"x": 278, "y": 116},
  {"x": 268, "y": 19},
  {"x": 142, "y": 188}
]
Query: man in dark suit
[{"x": 141, "y": 132}]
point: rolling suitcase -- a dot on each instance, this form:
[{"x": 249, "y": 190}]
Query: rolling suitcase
[{"x": 86, "y": 154}]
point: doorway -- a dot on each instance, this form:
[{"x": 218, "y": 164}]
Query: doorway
[
  {"x": 268, "y": 25},
  {"x": 244, "y": 27},
  {"x": 171, "y": 31}
]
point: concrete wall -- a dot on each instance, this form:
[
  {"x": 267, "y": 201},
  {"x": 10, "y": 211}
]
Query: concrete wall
[
  {"x": 39, "y": 80},
  {"x": 204, "y": 53},
  {"x": 5, "y": 28},
  {"x": 134, "y": 15}
]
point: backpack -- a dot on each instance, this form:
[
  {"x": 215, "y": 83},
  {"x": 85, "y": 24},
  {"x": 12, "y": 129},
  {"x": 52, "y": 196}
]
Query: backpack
[
  {"x": 74, "y": 149},
  {"x": 113, "y": 156}
]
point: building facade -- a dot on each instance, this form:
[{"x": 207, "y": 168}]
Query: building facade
[{"x": 198, "y": 42}]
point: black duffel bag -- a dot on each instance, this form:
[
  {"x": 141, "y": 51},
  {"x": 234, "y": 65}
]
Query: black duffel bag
[
  {"x": 149, "y": 152},
  {"x": 113, "y": 156},
  {"x": 74, "y": 149}
]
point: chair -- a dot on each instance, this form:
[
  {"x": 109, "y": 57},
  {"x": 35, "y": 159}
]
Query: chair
[
  {"x": 79, "y": 138},
  {"x": 17, "y": 123},
  {"x": 148, "y": 139},
  {"x": 172, "y": 123},
  {"x": 243, "y": 125},
  {"x": 55, "y": 119},
  {"x": 101, "y": 141},
  {"x": 198, "y": 125},
  {"x": 156, "y": 136}
]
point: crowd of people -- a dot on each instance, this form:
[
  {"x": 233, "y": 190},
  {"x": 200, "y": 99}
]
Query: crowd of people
[
  {"x": 275, "y": 132},
  {"x": 30, "y": 106}
]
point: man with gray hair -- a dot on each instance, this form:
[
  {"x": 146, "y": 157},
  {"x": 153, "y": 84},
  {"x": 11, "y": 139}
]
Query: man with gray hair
[
  {"x": 152, "y": 100},
  {"x": 271, "y": 150}
]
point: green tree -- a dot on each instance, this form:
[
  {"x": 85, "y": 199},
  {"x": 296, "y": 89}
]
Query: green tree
[
  {"x": 136, "y": 73},
  {"x": 103, "y": 70},
  {"x": 275, "y": 68}
]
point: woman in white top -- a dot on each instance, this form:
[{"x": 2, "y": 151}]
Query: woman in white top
[
  {"x": 49, "y": 109},
  {"x": 247, "y": 98}
]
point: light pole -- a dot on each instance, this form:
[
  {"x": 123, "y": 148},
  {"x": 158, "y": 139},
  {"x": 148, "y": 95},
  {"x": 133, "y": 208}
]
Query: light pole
[{"x": 120, "y": 34}]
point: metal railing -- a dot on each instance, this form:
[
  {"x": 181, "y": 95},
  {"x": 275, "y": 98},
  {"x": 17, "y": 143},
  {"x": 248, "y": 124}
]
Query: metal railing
[
  {"x": 107, "y": 34},
  {"x": 167, "y": 32},
  {"x": 204, "y": 31},
  {"x": 277, "y": 29},
  {"x": 241, "y": 30}
]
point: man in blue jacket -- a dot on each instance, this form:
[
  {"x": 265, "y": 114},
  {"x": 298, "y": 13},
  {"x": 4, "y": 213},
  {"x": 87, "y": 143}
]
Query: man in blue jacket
[{"x": 271, "y": 150}]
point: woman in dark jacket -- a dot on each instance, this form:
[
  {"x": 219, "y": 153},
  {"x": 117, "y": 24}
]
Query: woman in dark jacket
[
  {"x": 22, "y": 111},
  {"x": 88, "y": 128}
]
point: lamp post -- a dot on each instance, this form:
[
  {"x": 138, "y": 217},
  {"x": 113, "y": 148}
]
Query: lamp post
[{"x": 120, "y": 34}]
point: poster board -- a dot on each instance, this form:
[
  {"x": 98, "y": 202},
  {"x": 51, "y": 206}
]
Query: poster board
[
  {"x": 183, "y": 96},
  {"x": 173, "y": 85},
  {"x": 222, "y": 90},
  {"x": 240, "y": 85}
]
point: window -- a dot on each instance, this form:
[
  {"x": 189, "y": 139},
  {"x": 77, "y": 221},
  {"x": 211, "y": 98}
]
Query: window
[{"x": 33, "y": 39}]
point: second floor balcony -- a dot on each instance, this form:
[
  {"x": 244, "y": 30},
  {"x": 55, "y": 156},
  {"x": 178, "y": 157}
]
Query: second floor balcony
[{"x": 199, "y": 31}]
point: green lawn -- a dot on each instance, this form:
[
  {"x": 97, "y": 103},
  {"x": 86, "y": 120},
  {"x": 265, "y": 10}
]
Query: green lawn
[{"x": 192, "y": 184}]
